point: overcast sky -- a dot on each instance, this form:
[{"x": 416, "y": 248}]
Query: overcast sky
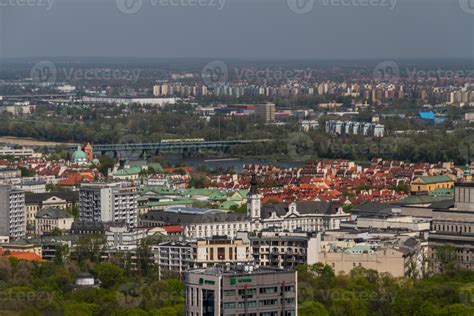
[{"x": 238, "y": 28}]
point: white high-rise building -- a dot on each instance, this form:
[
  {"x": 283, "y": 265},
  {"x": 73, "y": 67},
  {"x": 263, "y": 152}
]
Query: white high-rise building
[
  {"x": 109, "y": 203},
  {"x": 12, "y": 212}
]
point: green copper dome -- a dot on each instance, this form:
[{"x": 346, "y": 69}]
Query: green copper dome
[{"x": 79, "y": 154}]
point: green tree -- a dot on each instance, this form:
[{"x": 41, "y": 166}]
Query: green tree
[
  {"x": 312, "y": 308},
  {"x": 109, "y": 274}
]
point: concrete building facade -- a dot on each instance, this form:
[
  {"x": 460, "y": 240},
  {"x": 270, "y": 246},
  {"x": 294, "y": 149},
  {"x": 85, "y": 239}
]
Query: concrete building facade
[
  {"x": 241, "y": 290},
  {"x": 12, "y": 212},
  {"x": 109, "y": 202}
]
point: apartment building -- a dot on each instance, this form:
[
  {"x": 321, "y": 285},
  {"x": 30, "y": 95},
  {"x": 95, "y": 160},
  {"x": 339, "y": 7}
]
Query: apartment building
[
  {"x": 109, "y": 202},
  {"x": 172, "y": 257},
  {"x": 265, "y": 112},
  {"x": 12, "y": 212},
  {"x": 281, "y": 249}
]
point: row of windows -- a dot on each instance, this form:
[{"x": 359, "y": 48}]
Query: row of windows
[
  {"x": 452, "y": 228},
  {"x": 284, "y": 313},
  {"x": 262, "y": 290}
]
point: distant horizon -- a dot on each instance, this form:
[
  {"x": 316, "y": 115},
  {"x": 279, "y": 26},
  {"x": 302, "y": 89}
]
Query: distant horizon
[{"x": 36, "y": 58}]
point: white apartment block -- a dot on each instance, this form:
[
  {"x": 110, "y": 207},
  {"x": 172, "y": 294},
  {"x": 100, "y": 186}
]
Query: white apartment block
[
  {"x": 108, "y": 202},
  {"x": 16, "y": 152},
  {"x": 12, "y": 212}
]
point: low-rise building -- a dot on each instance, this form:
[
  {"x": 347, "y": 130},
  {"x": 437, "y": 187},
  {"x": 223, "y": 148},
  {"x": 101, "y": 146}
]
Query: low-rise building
[
  {"x": 401, "y": 259},
  {"x": 220, "y": 250},
  {"x": 9, "y": 173},
  {"x": 37, "y": 201},
  {"x": 50, "y": 219},
  {"x": 429, "y": 184},
  {"x": 16, "y": 152}
]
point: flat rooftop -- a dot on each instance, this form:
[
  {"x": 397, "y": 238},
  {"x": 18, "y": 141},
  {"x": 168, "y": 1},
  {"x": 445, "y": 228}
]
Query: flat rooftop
[{"x": 238, "y": 270}]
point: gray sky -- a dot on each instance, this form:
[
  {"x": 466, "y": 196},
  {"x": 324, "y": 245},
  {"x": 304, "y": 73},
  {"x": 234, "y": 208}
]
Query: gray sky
[{"x": 241, "y": 28}]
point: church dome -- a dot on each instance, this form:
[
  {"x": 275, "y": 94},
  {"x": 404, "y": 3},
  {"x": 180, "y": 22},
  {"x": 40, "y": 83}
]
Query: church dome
[{"x": 79, "y": 154}]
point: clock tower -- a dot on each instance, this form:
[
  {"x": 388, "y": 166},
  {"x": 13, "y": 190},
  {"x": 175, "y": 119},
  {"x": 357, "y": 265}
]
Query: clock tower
[{"x": 253, "y": 201}]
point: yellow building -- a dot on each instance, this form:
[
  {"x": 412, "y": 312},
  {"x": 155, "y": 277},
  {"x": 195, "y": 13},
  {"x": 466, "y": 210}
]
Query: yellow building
[{"x": 429, "y": 184}]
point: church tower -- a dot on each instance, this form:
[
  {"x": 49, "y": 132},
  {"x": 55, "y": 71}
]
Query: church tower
[{"x": 253, "y": 201}]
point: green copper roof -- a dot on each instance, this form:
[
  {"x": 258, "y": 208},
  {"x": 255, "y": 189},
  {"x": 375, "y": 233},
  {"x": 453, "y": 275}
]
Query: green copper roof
[
  {"x": 127, "y": 171},
  {"x": 435, "y": 179}
]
